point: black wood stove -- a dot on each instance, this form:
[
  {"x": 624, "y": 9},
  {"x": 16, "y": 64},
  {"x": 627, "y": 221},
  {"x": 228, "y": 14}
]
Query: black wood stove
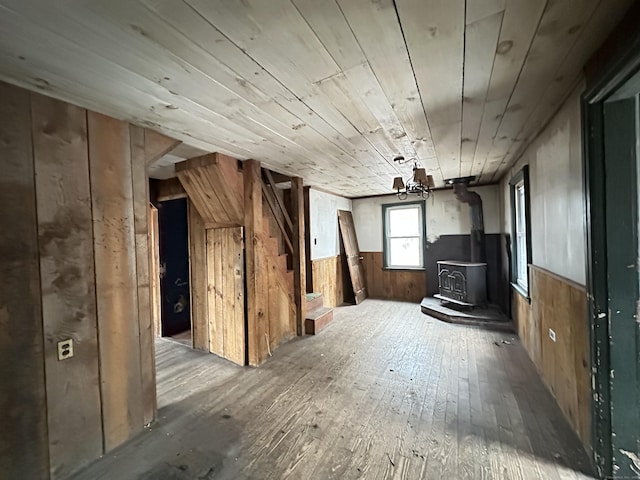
[{"x": 463, "y": 283}]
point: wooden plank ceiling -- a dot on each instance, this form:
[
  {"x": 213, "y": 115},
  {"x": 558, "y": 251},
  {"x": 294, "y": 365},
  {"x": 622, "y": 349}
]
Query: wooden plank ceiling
[{"x": 328, "y": 90}]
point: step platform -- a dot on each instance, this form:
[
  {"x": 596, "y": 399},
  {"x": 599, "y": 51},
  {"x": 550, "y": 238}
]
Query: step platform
[
  {"x": 317, "y": 320},
  {"x": 314, "y": 301}
]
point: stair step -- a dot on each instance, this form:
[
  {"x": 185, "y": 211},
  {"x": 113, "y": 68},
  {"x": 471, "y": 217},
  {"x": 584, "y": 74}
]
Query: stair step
[
  {"x": 317, "y": 320},
  {"x": 270, "y": 245},
  {"x": 314, "y": 301},
  {"x": 281, "y": 261}
]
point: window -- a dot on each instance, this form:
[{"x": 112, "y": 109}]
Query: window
[
  {"x": 403, "y": 227},
  {"x": 520, "y": 226}
]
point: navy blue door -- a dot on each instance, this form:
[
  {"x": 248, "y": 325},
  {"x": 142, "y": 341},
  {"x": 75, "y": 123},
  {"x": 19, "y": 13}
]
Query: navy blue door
[{"x": 174, "y": 266}]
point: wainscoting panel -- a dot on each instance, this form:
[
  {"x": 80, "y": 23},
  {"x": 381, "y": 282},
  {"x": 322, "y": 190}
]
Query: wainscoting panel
[
  {"x": 558, "y": 309},
  {"x": 328, "y": 279},
  {"x": 405, "y": 285}
]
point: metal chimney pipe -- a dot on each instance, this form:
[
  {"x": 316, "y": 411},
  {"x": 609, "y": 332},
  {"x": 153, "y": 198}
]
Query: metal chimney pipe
[{"x": 478, "y": 250}]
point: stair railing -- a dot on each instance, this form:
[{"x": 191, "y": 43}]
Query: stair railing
[{"x": 277, "y": 207}]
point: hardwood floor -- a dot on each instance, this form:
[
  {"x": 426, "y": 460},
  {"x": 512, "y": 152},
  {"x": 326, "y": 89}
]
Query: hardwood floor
[{"x": 384, "y": 392}]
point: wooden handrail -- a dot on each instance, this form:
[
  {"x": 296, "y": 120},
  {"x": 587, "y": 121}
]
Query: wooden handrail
[
  {"x": 272, "y": 205},
  {"x": 285, "y": 214}
]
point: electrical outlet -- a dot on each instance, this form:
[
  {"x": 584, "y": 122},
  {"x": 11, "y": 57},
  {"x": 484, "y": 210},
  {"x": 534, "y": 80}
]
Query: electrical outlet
[
  {"x": 65, "y": 349},
  {"x": 552, "y": 335}
]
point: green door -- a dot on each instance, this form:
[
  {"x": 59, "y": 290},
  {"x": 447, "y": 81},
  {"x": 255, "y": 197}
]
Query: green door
[{"x": 613, "y": 179}]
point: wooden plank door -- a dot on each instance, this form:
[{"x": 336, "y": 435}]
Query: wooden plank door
[{"x": 354, "y": 260}]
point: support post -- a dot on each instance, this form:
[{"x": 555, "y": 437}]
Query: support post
[
  {"x": 256, "y": 294},
  {"x": 299, "y": 254}
]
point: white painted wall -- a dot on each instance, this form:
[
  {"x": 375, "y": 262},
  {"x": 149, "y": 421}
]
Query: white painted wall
[
  {"x": 556, "y": 193},
  {"x": 323, "y": 223},
  {"x": 445, "y": 215}
]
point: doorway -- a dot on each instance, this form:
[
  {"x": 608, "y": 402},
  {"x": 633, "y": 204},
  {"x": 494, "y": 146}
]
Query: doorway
[
  {"x": 174, "y": 270},
  {"x": 612, "y": 166}
]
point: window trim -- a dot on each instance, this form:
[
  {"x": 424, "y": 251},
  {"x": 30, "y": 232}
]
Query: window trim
[
  {"x": 521, "y": 177},
  {"x": 385, "y": 248}
]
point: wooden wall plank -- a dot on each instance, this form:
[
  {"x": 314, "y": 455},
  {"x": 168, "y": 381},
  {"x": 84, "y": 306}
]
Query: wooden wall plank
[
  {"x": 116, "y": 285},
  {"x": 214, "y": 292},
  {"x": 154, "y": 271},
  {"x": 582, "y": 348},
  {"x": 233, "y": 319},
  {"x": 403, "y": 285},
  {"x": 24, "y": 440},
  {"x": 140, "y": 186},
  {"x": 68, "y": 283},
  {"x": 228, "y": 292},
  {"x": 198, "y": 266},
  {"x": 236, "y": 256}
]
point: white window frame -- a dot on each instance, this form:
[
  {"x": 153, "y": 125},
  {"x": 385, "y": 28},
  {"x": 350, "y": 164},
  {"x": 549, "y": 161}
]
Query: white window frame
[
  {"x": 520, "y": 229},
  {"x": 387, "y": 235}
]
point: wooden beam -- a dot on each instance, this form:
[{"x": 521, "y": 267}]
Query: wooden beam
[
  {"x": 157, "y": 146},
  {"x": 256, "y": 294},
  {"x": 170, "y": 189},
  {"x": 299, "y": 253}
]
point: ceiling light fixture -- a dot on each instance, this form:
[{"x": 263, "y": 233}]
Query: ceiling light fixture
[{"x": 419, "y": 182}]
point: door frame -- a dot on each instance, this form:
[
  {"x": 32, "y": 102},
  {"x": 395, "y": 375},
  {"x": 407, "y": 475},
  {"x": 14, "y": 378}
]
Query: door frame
[{"x": 625, "y": 62}]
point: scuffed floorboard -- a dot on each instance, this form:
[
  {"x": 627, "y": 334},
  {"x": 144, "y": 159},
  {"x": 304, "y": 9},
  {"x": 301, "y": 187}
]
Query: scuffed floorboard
[{"x": 384, "y": 392}]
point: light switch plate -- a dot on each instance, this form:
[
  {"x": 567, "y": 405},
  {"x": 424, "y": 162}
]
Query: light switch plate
[{"x": 552, "y": 335}]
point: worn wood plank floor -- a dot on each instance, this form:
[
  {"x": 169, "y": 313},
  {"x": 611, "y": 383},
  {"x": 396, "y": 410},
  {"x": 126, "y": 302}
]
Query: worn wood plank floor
[{"x": 383, "y": 392}]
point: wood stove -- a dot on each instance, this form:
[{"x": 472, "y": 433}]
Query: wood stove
[{"x": 463, "y": 283}]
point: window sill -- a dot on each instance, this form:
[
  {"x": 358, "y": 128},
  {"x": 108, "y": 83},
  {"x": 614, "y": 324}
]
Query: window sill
[
  {"x": 521, "y": 291},
  {"x": 403, "y": 269}
]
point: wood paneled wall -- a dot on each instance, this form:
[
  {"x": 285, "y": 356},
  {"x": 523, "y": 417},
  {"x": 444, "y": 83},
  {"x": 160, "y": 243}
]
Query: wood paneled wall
[
  {"x": 74, "y": 265},
  {"x": 560, "y": 305},
  {"x": 403, "y": 285},
  {"x": 327, "y": 276}
]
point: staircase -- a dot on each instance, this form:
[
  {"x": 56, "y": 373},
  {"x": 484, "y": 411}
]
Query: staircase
[
  {"x": 318, "y": 316},
  {"x": 277, "y": 258}
]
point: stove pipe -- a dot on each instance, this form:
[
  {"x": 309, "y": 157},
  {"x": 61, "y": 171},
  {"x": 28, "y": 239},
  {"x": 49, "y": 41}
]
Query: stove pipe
[{"x": 478, "y": 252}]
